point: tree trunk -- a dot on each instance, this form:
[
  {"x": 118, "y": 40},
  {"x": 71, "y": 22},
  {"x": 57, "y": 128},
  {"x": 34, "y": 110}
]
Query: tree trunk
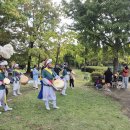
[
  {"x": 85, "y": 61},
  {"x": 39, "y": 61},
  {"x": 29, "y": 64},
  {"x": 115, "y": 64},
  {"x": 115, "y": 61},
  {"x": 29, "y": 58},
  {"x": 57, "y": 54}
]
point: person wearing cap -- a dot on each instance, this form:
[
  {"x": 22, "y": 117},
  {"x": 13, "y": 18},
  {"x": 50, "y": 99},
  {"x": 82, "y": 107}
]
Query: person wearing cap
[
  {"x": 48, "y": 93},
  {"x": 2, "y": 87},
  {"x": 16, "y": 79}
]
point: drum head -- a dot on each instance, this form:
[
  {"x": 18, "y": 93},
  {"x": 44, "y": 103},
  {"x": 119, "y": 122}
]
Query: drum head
[
  {"x": 24, "y": 79},
  {"x": 58, "y": 83},
  {"x": 6, "y": 81},
  {"x": 103, "y": 81}
]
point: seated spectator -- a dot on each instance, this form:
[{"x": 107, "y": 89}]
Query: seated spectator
[{"x": 98, "y": 83}]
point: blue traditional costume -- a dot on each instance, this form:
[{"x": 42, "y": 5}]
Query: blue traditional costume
[{"x": 47, "y": 92}]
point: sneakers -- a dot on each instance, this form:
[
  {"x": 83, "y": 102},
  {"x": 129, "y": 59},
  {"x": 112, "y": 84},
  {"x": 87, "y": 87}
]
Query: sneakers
[
  {"x": 48, "y": 108},
  {"x": 8, "y": 109},
  {"x": 19, "y": 93},
  {"x": 56, "y": 107},
  {"x": 63, "y": 94},
  {"x": 15, "y": 95}
]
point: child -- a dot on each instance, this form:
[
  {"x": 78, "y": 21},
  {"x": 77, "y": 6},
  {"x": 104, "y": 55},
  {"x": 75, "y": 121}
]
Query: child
[
  {"x": 98, "y": 83},
  {"x": 72, "y": 78}
]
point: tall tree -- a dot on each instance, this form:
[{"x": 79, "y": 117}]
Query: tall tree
[
  {"x": 101, "y": 22},
  {"x": 42, "y": 19},
  {"x": 11, "y": 19}
]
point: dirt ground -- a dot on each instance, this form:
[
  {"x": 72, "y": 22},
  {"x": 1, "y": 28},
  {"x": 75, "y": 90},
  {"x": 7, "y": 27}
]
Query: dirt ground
[{"x": 123, "y": 97}]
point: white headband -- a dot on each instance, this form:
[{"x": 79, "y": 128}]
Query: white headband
[
  {"x": 16, "y": 65},
  {"x": 48, "y": 61}
]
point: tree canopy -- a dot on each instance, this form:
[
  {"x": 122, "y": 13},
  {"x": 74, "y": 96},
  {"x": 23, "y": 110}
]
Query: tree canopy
[
  {"x": 101, "y": 23},
  {"x": 98, "y": 35}
]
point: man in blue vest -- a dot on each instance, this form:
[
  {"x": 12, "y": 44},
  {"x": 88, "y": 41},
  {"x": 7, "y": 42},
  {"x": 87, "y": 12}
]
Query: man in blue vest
[{"x": 35, "y": 77}]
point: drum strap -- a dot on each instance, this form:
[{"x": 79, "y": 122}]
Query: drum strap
[
  {"x": 48, "y": 70},
  {"x": 51, "y": 81}
]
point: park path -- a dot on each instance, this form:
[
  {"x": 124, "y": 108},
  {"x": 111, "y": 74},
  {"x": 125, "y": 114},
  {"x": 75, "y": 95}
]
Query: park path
[{"x": 123, "y": 97}]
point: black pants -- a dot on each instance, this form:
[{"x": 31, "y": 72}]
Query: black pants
[
  {"x": 72, "y": 82},
  {"x": 6, "y": 90}
]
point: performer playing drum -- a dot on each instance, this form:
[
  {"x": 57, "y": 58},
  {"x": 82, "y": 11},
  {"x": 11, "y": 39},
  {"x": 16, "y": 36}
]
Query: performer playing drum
[
  {"x": 48, "y": 91},
  {"x": 5, "y": 53},
  {"x": 2, "y": 87}
]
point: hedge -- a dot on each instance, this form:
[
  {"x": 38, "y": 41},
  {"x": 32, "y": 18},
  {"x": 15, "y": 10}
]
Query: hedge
[
  {"x": 91, "y": 69},
  {"x": 95, "y": 75}
]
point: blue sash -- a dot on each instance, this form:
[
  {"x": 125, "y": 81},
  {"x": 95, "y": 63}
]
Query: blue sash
[{"x": 40, "y": 95}]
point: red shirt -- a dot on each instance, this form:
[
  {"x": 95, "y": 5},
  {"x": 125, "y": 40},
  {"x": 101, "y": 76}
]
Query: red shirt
[{"x": 125, "y": 73}]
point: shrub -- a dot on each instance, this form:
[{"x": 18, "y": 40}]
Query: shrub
[
  {"x": 95, "y": 75},
  {"x": 91, "y": 69}
]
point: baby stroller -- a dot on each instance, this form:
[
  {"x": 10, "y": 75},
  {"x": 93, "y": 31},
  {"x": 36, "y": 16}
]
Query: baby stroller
[{"x": 117, "y": 81}]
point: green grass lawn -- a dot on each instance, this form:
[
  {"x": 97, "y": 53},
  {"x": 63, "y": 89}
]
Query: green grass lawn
[{"x": 82, "y": 109}]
